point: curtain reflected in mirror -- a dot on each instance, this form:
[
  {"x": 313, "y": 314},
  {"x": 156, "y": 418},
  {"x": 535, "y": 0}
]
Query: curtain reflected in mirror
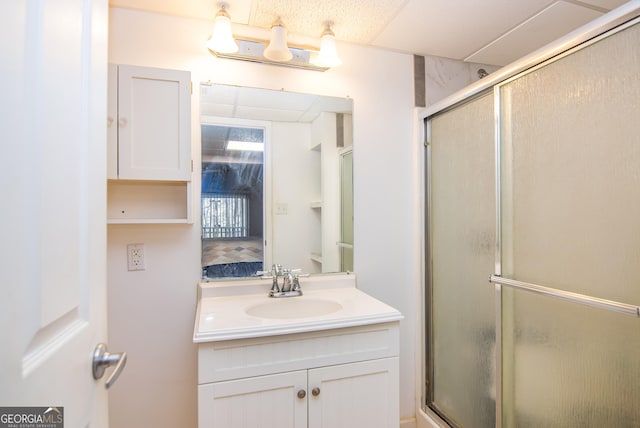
[{"x": 232, "y": 200}]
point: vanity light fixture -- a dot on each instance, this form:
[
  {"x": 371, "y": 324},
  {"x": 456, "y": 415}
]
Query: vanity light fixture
[
  {"x": 328, "y": 55},
  {"x": 275, "y": 51},
  {"x": 278, "y": 50},
  {"x": 221, "y": 39}
]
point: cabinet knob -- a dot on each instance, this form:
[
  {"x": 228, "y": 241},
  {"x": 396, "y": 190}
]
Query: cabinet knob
[
  {"x": 302, "y": 393},
  {"x": 122, "y": 122},
  {"x": 315, "y": 391},
  {"x": 109, "y": 121}
]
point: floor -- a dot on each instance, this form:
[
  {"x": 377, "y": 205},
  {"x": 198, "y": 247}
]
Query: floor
[{"x": 237, "y": 250}]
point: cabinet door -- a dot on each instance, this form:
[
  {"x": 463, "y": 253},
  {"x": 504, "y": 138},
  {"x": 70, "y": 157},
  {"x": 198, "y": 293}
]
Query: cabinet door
[
  {"x": 364, "y": 394},
  {"x": 154, "y": 110},
  {"x": 112, "y": 122},
  {"x": 264, "y": 401}
]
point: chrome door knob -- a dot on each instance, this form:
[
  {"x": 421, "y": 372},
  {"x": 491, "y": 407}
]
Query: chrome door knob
[{"x": 102, "y": 359}]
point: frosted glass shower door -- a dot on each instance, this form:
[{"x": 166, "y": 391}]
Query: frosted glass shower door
[
  {"x": 461, "y": 315},
  {"x": 570, "y": 152}
]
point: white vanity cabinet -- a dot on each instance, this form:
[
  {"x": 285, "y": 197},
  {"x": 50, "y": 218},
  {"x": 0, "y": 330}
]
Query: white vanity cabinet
[
  {"x": 323, "y": 379},
  {"x": 149, "y": 145}
]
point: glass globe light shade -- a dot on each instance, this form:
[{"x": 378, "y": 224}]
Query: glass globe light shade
[
  {"x": 221, "y": 39},
  {"x": 328, "y": 55},
  {"x": 278, "y": 49}
]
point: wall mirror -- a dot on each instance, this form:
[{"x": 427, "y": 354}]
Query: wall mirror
[{"x": 277, "y": 181}]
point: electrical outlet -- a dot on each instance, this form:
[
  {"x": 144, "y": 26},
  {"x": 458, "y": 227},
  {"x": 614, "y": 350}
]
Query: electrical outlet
[
  {"x": 282, "y": 208},
  {"x": 135, "y": 256}
]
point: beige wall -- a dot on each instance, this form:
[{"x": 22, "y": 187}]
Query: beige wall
[{"x": 151, "y": 312}]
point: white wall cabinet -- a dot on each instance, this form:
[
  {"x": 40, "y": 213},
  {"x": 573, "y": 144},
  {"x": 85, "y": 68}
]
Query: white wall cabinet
[
  {"x": 149, "y": 123},
  {"x": 149, "y": 145},
  {"x": 336, "y": 379}
]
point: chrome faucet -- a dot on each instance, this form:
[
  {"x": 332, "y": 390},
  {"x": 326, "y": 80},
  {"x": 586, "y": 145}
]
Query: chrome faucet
[
  {"x": 290, "y": 281},
  {"x": 276, "y": 271}
]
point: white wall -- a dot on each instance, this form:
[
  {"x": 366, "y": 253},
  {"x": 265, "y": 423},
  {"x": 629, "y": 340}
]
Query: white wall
[
  {"x": 151, "y": 312},
  {"x": 445, "y": 76},
  {"x": 150, "y": 316},
  {"x": 295, "y": 179}
]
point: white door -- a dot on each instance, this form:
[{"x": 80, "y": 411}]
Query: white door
[{"x": 52, "y": 217}]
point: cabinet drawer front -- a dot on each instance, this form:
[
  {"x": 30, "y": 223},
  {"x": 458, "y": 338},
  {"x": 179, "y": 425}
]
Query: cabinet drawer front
[{"x": 236, "y": 359}]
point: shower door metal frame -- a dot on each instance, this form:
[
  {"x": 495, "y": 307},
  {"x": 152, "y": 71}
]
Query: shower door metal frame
[{"x": 615, "y": 21}]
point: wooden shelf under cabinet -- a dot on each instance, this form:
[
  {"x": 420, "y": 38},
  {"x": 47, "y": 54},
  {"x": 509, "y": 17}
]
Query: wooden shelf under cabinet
[{"x": 138, "y": 202}]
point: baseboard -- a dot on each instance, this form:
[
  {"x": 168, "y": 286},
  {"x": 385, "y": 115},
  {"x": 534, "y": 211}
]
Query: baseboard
[
  {"x": 408, "y": 423},
  {"x": 427, "y": 420}
]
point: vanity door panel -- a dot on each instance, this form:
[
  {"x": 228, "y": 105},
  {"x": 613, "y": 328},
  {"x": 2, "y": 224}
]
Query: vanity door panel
[
  {"x": 264, "y": 401},
  {"x": 363, "y": 394}
]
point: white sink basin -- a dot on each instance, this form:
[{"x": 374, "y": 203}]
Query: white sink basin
[
  {"x": 230, "y": 310},
  {"x": 293, "y": 307}
]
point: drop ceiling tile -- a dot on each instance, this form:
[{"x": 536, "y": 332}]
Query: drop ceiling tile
[
  {"x": 605, "y": 4},
  {"x": 453, "y": 28},
  {"x": 257, "y": 113},
  {"x": 239, "y": 10},
  {"x": 355, "y": 21},
  {"x": 212, "y": 109},
  {"x": 555, "y": 21},
  {"x": 219, "y": 94},
  {"x": 447, "y": 28},
  {"x": 262, "y": 98}
]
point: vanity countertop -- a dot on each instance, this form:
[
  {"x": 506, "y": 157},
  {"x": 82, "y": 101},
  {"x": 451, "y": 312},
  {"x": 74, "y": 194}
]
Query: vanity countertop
[{"x": 242, "y": 309}]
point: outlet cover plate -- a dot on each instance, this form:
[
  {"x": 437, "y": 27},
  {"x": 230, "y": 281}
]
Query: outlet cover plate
[{"x": 135, "y": 257}]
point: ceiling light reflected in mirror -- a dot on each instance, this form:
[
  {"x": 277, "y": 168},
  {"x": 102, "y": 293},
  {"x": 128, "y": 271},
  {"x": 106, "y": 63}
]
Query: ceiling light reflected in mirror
[{"x": 245, "y": 146}]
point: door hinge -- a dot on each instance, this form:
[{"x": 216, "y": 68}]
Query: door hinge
[{"x": 191, "y": 165}]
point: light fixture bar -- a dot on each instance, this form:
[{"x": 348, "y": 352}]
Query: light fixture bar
[{"x": 253, "y": 51}]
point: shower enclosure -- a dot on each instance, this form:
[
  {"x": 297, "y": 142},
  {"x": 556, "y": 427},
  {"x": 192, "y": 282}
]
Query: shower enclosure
[{"x": 533, "y": 239}]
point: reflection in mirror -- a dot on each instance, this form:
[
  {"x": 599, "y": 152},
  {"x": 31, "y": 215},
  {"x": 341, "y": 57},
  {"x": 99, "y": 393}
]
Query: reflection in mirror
[
  {"x": 346, "y": 203},
  {"x": 277, "y": 182},
  {"x": 232, "y": 200}
]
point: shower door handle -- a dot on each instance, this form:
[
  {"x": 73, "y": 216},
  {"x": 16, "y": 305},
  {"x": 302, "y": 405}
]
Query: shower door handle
[{"x": 583, "y": 299}]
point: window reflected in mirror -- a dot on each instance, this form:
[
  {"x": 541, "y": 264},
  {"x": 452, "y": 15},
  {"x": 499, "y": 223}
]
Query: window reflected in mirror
[{"x": 232, "y": 200}]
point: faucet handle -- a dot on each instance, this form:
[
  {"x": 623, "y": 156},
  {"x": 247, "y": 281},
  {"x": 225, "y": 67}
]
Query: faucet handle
[
  {"x": 277, "y": 270},
  {"x": 296, "y": 284}
]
